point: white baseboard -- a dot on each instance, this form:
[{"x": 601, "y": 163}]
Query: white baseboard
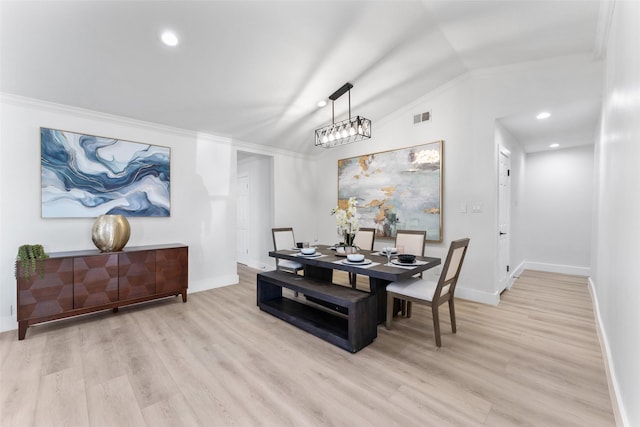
[
  {"x": 614, "y": 387},
  {"x": 8, "y": 323},
  {"x": 517, "y": 272},
  {"x": 209, "y": 283},
  {"x": 555, "y": 268},
  {"x": 477, "y": 296},
  {"x": 259, "y": 265}
]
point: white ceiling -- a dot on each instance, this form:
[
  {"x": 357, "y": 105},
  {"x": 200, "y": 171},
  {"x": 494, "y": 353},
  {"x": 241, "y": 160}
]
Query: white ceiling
[{"x": 254, "y": 70}]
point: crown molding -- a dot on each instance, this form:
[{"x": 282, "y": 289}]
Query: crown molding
[
  {"x": 605, "y": 16},
  {"x": 22, "y": 101}
]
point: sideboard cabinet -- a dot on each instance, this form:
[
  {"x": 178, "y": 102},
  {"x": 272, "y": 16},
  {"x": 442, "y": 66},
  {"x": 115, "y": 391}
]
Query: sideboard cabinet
[{"x": 80, "y": 282}]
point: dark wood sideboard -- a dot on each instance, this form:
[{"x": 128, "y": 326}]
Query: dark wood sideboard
[{"x": 81, "y": 282}]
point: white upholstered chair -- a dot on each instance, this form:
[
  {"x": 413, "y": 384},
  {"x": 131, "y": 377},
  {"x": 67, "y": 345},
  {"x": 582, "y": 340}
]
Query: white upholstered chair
[
  {"x": 411, "y": 241},
  {"x": 364, "y": 240},
  {"x": 283, "y": 239},
  {"x": 430, "y": 292}
]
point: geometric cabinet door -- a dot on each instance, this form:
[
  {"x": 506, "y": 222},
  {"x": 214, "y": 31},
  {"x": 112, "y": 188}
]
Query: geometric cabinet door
[
  {"x": 49, "y": 293},
  {"x": 137, "y": 271},
  {"x": 95, "y": 280},
  {"x": 172, "y": 270}
]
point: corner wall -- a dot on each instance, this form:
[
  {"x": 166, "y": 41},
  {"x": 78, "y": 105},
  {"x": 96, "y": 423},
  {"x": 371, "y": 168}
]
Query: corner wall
[
  {"x": 203, "y": 205},
  {"x": 557, "y": 210},
  {"x": 615, "y": 247}
]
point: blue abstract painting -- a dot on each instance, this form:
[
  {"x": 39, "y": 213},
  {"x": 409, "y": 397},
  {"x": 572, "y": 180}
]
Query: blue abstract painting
[{"x": 87, "y": 176}]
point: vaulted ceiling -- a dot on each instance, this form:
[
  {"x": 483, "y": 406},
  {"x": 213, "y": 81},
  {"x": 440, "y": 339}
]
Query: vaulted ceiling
[{"x": 255, "y": 70}]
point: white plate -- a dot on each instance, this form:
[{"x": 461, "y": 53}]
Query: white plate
[
  {"x": 396, "y": 262},
  {"x": 365, "y": 262},
  {"x": 317, "y": 254}
]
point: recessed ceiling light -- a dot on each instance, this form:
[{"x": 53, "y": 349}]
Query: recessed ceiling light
[
  {"x": 169, "y": 38},
  {"x": 554, "y": 145},
  {"x": 543, "y": 115},
  {"x": 322, "y": 103}
]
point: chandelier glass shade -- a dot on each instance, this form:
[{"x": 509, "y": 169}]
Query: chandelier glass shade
[{"x": 350, "y": 130}]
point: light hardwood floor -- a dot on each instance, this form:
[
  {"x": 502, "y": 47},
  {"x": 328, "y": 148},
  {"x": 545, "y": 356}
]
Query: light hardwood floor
[{"x": 532, "y": 360}]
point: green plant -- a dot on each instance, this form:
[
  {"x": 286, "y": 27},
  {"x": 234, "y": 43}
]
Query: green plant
[{"x": 28, "y": 257}]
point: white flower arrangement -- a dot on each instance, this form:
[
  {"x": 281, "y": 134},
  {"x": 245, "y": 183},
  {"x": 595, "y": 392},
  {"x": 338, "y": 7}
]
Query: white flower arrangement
[{"x": 347, "y": 221}]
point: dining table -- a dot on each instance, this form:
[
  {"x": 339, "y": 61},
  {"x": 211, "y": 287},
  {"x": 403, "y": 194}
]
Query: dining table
[{"x": 376, "y": 266}]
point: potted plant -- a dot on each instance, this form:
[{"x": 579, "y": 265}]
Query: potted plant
[{"x": 29, "y": 258}]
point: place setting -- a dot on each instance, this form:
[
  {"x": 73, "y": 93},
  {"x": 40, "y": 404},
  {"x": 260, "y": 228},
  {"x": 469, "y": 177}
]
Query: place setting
[
  {"x": 405, "y": 261},
  {"x": 357, "y": 260},
  {"x": 309, "y": 253}
]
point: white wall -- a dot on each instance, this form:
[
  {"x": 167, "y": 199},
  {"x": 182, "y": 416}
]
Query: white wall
[
  {"x": 616, "y": 253},
  {"x": 464, "y": 116},
  {"x": 557, "y": 210},
  {"x": 202, "y": 194}
]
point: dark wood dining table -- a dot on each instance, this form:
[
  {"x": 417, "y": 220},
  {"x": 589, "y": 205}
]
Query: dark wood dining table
[{"x": 380, "y": 275}]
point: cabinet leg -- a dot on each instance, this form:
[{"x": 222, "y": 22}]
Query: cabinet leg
[
  {"x": 115, "y": 309},
  {"x": 22, "y": 329},
  {"x": 184, "y": 295}
]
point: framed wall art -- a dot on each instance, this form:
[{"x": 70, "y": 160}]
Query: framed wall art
[
  {"x": 84, "y": 176},
  {"x": 396, "y": 190}
]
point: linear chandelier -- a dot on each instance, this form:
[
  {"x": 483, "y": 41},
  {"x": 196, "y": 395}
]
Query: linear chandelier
[{"x": 350, "y": 130}]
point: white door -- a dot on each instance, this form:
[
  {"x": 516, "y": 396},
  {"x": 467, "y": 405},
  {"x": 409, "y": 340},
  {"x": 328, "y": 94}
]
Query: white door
[
  {"x": 243, "y": 218},
  {"x": 504, "y": 203}
]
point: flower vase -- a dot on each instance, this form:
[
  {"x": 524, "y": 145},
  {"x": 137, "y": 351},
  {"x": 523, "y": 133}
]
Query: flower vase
[{"x": 348, "y": 243}]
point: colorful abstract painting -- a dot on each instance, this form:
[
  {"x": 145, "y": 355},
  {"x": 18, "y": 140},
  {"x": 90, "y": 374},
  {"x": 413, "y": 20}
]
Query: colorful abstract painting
[
  {"x": 396, "y": 190},
  {"x": 87, "y": 176}
]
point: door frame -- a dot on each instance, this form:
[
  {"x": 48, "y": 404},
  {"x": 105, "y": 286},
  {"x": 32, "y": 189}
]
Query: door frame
[{"x": 504, "y": 221}]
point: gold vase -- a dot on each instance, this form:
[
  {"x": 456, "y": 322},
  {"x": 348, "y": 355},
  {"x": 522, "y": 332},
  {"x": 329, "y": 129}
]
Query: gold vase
[{"x": 110, "y": 233}]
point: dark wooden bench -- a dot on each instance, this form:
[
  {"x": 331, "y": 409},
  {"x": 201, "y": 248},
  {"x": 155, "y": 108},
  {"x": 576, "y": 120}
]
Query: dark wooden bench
[{"x": 348, "y": 318}]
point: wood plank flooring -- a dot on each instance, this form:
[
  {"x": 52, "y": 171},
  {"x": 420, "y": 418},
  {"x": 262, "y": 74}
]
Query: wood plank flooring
[{"x": 533, "y": 360}]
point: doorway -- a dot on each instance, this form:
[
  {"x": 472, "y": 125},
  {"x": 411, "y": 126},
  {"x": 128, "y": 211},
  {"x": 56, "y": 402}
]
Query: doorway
[
  {"x": 254, "y": 193},
  {"x": 504, "y": 214},
  {"x": 243, "y": 217}
]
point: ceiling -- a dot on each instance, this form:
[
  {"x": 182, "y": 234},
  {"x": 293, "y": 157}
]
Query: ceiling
[{"x": 254, "y": 70}]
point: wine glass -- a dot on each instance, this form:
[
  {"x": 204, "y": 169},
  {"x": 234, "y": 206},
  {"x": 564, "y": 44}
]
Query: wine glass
[{"x": 387, "y": 251}]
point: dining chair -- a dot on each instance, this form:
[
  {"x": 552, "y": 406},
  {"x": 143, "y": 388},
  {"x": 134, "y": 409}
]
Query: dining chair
[
  {"x": 283, "y": 239},
  {"x": 413, "y": 241},
  {"x": 430, "y": 292},
  {"x": 364, "y": 240}
]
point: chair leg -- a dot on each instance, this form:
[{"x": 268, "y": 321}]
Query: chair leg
[
  {"x": 352, "y": 279},
  {"x": 409, "y": 306},
  {"x": 387, "y": 322},
  {"x": 436, "y": 324},
  {"x": 403, "y": 308},
  {"x": 452, "y": 313}
]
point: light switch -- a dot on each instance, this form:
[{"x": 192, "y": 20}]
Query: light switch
[
  {"x": 476, "y": 207},
  {"x": 463, "y": 208}
]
